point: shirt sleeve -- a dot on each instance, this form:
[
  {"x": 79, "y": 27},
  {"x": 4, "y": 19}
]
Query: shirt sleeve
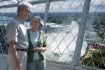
[
  {"x": 44, "y": 39},
  {"x": 12, "y": 33}
]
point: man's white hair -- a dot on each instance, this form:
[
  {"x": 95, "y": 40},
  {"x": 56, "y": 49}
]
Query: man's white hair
[{"x": 25, "y": 4}]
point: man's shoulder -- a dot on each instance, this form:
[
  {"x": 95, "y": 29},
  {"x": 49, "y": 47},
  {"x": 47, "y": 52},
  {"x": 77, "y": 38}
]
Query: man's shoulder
[{"x": 13, "y": 22}]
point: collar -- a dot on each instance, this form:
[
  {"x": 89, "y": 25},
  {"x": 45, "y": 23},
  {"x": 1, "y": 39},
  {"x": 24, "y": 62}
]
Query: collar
[{"x": 19, "y": 19}]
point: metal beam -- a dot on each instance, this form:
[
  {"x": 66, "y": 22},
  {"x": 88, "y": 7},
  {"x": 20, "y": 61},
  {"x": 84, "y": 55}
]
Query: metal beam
[
  {"x": 3, "y": 0},
  {"x": 44, "y": 1},
  {"x": 32, "y": 2},
  {"x": 80, "y": 37},
  {"x": 46, "y": 13}
]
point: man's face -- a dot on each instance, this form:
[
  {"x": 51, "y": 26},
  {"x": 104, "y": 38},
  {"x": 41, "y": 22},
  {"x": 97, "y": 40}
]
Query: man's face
[{"x": 25, "y": 13}]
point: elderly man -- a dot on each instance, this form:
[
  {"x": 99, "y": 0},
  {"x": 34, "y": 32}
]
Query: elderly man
[{"x": 17, "y": 38}]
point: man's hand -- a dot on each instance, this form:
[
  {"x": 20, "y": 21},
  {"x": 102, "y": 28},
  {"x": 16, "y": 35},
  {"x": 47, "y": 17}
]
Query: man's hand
[
  {"x": 12, "y": 46},
  {"x": 17, "y": 64}
]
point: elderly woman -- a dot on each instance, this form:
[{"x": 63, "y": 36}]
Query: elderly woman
[{"x": 37, "y": 45}]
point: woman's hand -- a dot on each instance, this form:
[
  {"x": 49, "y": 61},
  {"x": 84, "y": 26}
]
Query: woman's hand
[
  {"x": 41, "y": 49},
  {"x": 36, "y": 49}
]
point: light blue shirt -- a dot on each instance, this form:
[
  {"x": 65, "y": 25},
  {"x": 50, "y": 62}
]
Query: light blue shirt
[
  {"x": 17, "y": 32},
  {"x": 34, "y": 36}
]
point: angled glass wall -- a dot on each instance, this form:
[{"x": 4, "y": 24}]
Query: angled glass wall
[{"x": 62, "y": 28}]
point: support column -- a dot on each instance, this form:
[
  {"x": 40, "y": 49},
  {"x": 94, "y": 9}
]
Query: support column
[
  {"x": 46, "y": 11},
  {"x": 77, "y": 52}
]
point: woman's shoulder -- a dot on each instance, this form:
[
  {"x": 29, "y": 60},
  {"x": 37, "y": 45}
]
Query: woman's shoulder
[
  {"x": 42, "y": 31},
  {"x": 28, "y": 29}
]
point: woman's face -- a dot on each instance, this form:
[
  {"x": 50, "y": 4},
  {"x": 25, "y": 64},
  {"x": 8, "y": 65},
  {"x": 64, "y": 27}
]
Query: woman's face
[{"x": 35, "y": 24}]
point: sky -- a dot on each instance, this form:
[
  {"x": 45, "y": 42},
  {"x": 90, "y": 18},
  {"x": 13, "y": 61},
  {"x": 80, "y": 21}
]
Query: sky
[{"x": 62, "y": 6}]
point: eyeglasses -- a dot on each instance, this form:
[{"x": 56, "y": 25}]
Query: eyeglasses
[{"x": 26, "y": 10}]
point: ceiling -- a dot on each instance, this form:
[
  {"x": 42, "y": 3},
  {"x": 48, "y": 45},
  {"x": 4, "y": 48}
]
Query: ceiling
[{"x": 55, "y": 5}]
